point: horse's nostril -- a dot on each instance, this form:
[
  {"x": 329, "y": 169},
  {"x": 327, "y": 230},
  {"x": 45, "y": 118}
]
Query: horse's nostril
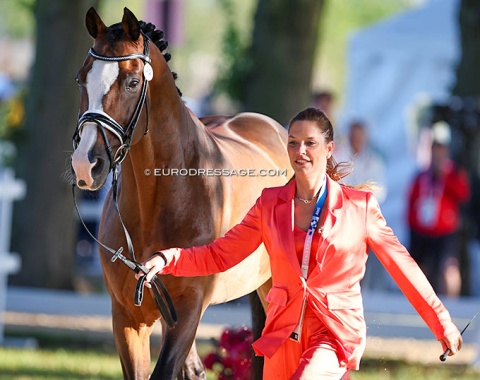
[
  {"x": 98, "y": 164},
  {"x": 81, "y": 183}
]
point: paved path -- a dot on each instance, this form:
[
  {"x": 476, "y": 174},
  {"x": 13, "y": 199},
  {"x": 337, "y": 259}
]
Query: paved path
[
  {"x": 69, "y": 311},
  {"x": 394, "y": 329}
]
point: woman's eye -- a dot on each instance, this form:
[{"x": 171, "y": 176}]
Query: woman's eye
[
  {"x": 310, "y": 143},
  {"x": 292, "y": 143}
]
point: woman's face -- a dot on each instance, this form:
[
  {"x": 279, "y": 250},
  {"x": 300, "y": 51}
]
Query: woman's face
[{"x": 307, "y": 149}]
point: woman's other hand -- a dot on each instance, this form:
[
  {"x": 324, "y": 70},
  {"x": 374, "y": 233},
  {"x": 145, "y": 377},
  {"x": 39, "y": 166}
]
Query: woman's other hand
[{"x": 453, "y": 342}]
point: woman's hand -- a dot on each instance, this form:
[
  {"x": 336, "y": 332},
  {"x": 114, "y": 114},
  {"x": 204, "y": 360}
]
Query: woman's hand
[
  {"x": 155, "y": 265},
  {"x": 452, "y": 342}
]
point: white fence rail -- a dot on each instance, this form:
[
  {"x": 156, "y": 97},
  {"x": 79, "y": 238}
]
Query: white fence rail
[{"x": 11, "y": 189}]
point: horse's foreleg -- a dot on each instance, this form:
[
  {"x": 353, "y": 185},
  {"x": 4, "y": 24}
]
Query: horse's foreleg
[
  {"x": 178, "y": 356},
  {"x": 132, "y": 340}
]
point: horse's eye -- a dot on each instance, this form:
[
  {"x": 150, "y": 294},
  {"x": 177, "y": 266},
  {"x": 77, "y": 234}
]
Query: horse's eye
[{"x": 132, "y": 84}]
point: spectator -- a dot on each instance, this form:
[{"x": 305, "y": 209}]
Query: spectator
[
  {"x": 324, "y": 101},
  {"x": 368, "y": 166},
  {"x": 434, "y": 215}
]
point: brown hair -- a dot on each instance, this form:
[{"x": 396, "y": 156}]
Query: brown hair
[{"x": 335, "y": 170}]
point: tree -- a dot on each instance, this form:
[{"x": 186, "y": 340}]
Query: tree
[
  {"x": 464, "y": 115},
  {"x": 282, "y": 55},
  {"x": 467, "y": 85},
  {"x": 468, "y": 82},
  {"x": 45, "y": 228}
]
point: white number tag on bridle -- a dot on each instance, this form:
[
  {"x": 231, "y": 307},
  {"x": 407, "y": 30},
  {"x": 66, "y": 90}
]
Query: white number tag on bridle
[{"x": 148, "y": 72}]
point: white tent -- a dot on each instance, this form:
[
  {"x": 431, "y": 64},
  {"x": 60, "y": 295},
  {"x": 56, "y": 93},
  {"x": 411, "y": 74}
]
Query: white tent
[{"x": 389, "y": 65}]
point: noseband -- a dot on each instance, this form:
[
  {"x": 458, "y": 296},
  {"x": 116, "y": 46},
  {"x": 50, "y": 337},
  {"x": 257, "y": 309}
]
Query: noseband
[{"x": 105, "y": 121}]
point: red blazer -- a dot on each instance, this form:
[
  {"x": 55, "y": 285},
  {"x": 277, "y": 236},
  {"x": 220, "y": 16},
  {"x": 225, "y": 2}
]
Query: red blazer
[{"x": 352, "y": 223}]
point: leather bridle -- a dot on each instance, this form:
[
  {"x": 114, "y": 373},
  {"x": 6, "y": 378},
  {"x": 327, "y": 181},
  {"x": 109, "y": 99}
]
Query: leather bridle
[{"x": 105, "y": 122}]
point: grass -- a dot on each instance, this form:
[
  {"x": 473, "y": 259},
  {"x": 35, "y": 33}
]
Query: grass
[
  {"x": 398, "y": 370},
  {"x": 53, "y": 364},
  {"x": 67, "y": 357},
  {"x": 64, "y": 358},
  {"x": 58, "y": 364}
]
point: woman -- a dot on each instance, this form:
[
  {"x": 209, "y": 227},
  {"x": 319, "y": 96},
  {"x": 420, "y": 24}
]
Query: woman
[{"x": 315, "y": 327}]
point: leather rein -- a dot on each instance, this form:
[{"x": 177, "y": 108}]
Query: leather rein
[{"x": 105, "y": 122}]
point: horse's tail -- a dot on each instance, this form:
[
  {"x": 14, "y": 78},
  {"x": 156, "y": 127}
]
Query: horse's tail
[{"x": 258, "y": 323}]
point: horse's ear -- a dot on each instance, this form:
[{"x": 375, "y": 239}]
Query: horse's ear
[
  {"x": 94, "y": 23},
  {"x": 130, "y": 24}
]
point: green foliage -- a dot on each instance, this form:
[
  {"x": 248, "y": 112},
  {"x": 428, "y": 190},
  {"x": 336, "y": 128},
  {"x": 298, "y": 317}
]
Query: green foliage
[
  {"x": 12, "y": 114},
  {"x": 340, "y": 20},
  {"x": 236, "y": 62},
  {"x": 111, "y": 11},
  {"x": 16, "y": 18}
]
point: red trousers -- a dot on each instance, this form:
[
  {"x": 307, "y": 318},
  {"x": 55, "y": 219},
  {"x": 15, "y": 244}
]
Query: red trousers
[{"x": 314, "y": 357}]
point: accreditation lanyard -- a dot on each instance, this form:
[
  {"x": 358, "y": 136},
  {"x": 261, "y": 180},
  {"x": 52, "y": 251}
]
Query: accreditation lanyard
[{"x": 307, "y": 247}]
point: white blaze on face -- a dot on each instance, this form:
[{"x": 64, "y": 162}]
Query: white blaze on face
[{"x": 99, "y": 81}]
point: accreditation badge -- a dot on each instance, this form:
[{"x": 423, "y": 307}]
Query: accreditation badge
[
  {"x": 427, "y": 210},
  {"x": 296, "y": 335}
]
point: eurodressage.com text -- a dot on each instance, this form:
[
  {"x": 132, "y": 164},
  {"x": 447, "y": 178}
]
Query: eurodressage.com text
[{"x": 215, "y": 172}]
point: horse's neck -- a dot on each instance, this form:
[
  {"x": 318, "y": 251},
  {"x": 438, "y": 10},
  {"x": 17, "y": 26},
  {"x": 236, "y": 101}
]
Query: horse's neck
[
  {"x": 149, "y": 189},
  {"x": 176, "y": 136},
  {"x": 176, "y": 140}
]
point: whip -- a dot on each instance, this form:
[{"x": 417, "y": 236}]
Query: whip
[{"x": 443, "y": 357}]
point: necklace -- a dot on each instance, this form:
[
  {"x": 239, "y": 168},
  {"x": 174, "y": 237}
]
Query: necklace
[{"x": 307, "y": 201}]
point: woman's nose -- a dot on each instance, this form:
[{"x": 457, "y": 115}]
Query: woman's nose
[{"x": 301, "y": 148}]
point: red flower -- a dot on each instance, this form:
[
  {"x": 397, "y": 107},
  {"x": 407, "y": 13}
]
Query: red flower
[
  {"x": 210, "y": 360},
  {"x": 232, "y": 358}
]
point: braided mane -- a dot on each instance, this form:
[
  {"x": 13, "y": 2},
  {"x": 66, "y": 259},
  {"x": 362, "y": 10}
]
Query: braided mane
[{"x": 156, "y": 36}]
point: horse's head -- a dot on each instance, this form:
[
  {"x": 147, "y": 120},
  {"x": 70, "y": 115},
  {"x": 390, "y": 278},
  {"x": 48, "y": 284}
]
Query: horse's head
[{"x": 113, "y": 85}]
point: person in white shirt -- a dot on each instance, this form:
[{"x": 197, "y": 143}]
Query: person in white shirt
[{"x": 369, "y": 167}]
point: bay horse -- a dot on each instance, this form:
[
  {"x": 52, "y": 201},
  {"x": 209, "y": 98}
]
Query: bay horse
[{"x": 183, "y": 181}]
